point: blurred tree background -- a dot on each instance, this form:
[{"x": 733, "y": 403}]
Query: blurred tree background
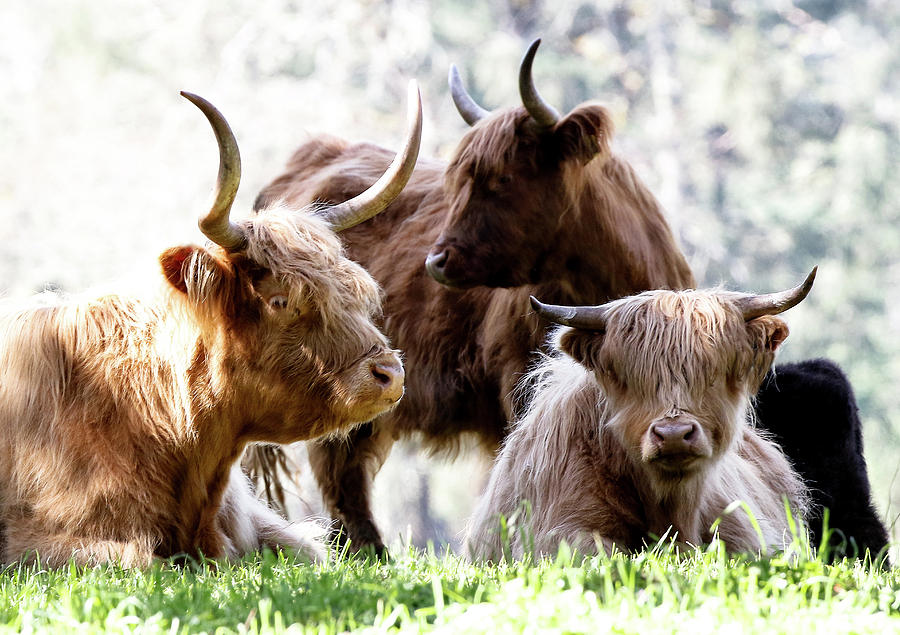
[{"x": 768, "y": 129}]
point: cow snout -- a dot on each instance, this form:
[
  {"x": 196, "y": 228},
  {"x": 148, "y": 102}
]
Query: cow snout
[
  {"x": 675, "y": 443},
  {"x": 387, "y": 370},
  {"x": 672, "y": 436},
  {"x": 436, "y": 263}
]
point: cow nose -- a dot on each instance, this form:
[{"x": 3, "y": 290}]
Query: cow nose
[
  {"x": 435, "y": 264},
  {"x": 387, "y": 370},
  {"x": 672, "y": 435}
]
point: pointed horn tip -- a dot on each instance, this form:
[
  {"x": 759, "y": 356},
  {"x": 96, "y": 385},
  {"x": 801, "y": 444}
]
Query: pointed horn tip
[
  {"x": 194, "y": 98},
  {"x": 541, "y": 111},
  {"x": 414, "y": 117},
  {"x": 811, "y": 277},
  {"x": 530, "y": 54},
  {"x": 471, "y": 112},
  {"x": 548, "y": 311},
  {"x": 807, "y": 284},
  {"x": 215, "y": 224},
  {"x": 578, "y": 317},
  {"x": 754, "y": 306},
  {"x": 558, "y": 314},
  {"x": 215, "y": 117},
  {"x": 378, "y": 196},
  {"x": 804, "y": 287}
]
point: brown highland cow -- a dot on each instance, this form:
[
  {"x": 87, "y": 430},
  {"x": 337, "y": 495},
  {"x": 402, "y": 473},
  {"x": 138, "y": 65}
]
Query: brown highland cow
[{"x": 122, "y": 418}]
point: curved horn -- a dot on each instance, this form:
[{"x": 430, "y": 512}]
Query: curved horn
[
  {"x": 470, "y": 111},
  {"x": 216, "y": 224},
  {"x": 367, "y": 204},
  {"x": 754, "y": 306},
  {"x": 590, "y": 318},
  {"x": 542, "y": 112}
]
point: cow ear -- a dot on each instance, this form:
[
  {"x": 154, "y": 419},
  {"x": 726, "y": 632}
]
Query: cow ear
[
  {"x": 768, "y": 332},
  {"x": 174, "y": 262},
  {"x": 582, "y": 346},
  {"x": 584, "y": 133},
  {"x": 186, "y": 263}
]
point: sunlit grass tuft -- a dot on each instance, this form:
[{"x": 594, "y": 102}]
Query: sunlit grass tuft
[{"x": 662, "y": 589}]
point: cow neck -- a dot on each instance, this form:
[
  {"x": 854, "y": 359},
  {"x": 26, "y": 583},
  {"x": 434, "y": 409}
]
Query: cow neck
[
  {"x": 679, "y": 508},
  {"x": 620, "y": 242},
  {"x": 208, "y": 449}
]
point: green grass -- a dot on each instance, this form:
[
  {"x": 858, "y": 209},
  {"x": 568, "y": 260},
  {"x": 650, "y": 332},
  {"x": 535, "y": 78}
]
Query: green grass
[{"x": 658, "y": 591}]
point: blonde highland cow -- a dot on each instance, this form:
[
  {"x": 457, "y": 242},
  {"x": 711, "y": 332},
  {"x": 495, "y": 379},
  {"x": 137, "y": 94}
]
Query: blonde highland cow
[
  {"x": 640, "y": 428},
  {"x": 123, "y": 418}
]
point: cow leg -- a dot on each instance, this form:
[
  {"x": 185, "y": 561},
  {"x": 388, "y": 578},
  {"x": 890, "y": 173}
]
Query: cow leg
[
  {"x": 55, "y": 550},
  {"x": 304, "y": 537},
  {"x": 249, "y": 524},
  {"x": 345, "y": 469},
  {"x": 810, "y": 410}
]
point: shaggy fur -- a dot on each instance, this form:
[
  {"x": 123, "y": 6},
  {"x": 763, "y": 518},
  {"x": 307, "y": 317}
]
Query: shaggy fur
[
  {"x": 810, "y": 408},
  {"x": 519, "y": 211},
  {"x": 122, "y": 417},
  {"x": 580, "y": 465}
]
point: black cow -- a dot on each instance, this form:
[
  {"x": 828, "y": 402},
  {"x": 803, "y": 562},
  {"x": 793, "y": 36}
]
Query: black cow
[{"x": 810, "y": 410}]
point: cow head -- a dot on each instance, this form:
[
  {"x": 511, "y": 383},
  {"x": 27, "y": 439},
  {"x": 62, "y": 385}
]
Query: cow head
[
  {"x": 511, "y": 185},
  {"x": 677, "y": 368},
  {"x": 288, "y": 338}
]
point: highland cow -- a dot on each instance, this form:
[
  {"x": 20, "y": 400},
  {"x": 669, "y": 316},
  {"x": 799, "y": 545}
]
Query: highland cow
[
  {"x": 122, "y": 417},
  {"x": 640, "y": 428},
  {"x": 810, "y": 411}
]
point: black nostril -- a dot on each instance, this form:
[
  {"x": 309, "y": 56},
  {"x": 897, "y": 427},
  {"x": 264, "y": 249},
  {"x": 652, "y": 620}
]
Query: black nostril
[
  {"x": 436, "y": 261},
  {"x": 690, "y": 433},
  {"x": 380, "y": 375}
]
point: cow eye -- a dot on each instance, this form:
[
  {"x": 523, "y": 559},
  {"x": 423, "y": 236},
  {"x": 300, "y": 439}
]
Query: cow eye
[
  {"x": 612, "y": 377},
  {"x": 278, "y": 302},
  {"x": 497, "y": 184}
]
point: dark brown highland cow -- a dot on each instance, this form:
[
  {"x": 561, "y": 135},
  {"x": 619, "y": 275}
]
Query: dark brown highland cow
[
  {"x": 122, "y": 418},
  {"x": 514, "y": 192},
  {"x": 531, "y": 203}
]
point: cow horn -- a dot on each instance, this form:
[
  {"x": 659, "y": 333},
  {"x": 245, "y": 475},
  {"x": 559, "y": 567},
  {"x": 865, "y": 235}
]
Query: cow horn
[
  {"x": 754, "y": 306},
  {"x": 369, "y": 203},
  {"x": 470, "y": 111},
  {"x": 542, "y": 112},
  {"x": 216, "y": 224},
  {"x": 590, "y": 318}
]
